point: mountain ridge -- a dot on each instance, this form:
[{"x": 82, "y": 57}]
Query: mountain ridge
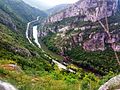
[
  {"x": 87, "y": 9},
  {"x": 15, "y": 13},
  {"x": 57, "y": 8}
]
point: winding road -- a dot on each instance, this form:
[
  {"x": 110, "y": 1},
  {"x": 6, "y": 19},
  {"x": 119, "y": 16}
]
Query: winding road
[{"x": 35, "y": 35}]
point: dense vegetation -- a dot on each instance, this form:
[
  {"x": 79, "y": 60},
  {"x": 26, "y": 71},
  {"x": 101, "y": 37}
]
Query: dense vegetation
[
  {"x": 34, "y": 71},
  {"x": 48, "y": 41},
  {"x": 101, "y": 62},
  {"x": 15, "y": 14},
  {"x": 22, "y": 10}
]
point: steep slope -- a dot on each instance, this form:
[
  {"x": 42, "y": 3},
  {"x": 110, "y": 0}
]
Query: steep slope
[
  {"x": 16, "y": 13},
  {"x": 86, "y": 43},
  {"x": 87, "y": 9},
  {"x": 15, "y": 50},
  {"x": 21, "y": 9}
]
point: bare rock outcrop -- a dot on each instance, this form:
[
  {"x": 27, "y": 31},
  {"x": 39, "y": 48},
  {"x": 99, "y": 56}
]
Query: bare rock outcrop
[
  {"x": 92, "y": 10},
  {"x": 98, "y": 42},
  {"x": 112, "y": 84}
]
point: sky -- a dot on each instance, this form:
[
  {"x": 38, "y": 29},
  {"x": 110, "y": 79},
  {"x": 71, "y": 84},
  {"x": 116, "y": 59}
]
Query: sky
[{"x": 46, "y": 4}]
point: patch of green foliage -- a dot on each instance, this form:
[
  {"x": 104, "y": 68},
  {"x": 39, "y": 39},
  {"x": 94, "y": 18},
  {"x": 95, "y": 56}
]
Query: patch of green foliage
[
  {"x": 101, "y": 61},
  {"x": 54, "y": 79},
  {"x": 48, "y": 41}
]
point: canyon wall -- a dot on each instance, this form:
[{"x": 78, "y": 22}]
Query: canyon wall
[{"x": 92, "y": 10}]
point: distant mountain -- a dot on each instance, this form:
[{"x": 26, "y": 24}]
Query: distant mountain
[
  {"x": 37, "y": 4},
  {"x": 14, "y": 16},
  {"x": 57, "y": 8},
  {"x": 14, "y": 13},
  {"x": 21, "y": 9}
]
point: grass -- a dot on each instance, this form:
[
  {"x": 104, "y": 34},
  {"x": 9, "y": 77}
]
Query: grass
[{"x": 25, "y": 81}]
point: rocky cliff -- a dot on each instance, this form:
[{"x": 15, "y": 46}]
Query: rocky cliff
[
  {"x": 88, "y": 10},
  {"x": 99, "y": 41}
]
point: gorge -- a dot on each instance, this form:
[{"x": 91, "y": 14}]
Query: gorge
[
  {"x": 73, "y": 49},
  {"x": 35, "y": 36}
]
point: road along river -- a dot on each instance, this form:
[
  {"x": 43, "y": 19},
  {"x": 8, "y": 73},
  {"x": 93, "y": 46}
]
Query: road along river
[{"x": 35, "y": 36}]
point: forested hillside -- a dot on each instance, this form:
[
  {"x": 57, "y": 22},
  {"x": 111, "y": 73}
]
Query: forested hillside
[
  {"x": 15, "y": 14},
  {"x": 28, "y": 67}
]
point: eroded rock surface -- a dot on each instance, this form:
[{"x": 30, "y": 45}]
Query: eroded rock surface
[
  {"x": 88, "y": 10},
  {"x": 98, "y": 41}
]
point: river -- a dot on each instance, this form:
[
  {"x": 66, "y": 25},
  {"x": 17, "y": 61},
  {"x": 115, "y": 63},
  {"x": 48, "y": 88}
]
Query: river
[{"x": 35, "y": 36}]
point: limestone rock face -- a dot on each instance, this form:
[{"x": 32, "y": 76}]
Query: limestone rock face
[
  {"x": 116, "y": 40},
  {"x": 98, "y": 41},
  {"x": 116, "y": 47},
  {"x": 88, "y": 10}
]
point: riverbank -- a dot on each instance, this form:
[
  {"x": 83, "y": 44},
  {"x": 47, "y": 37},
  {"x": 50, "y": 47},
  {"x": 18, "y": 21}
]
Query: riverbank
[{"x": 35, "y": 36}]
